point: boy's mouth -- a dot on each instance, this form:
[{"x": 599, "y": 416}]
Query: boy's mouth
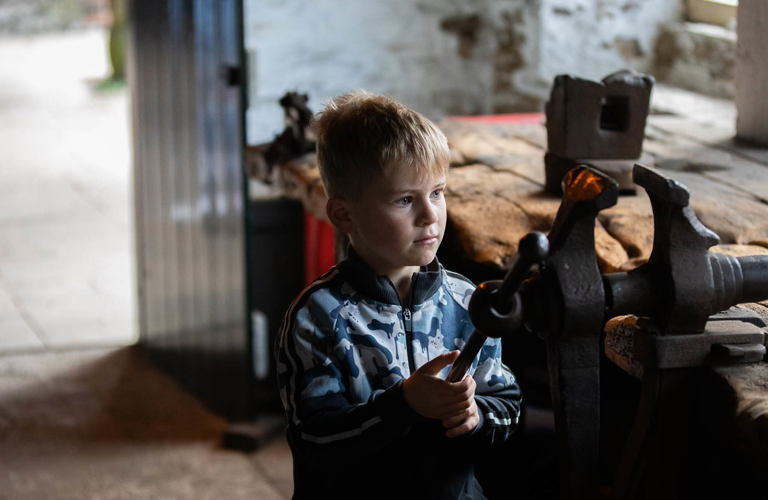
[{"x": 429, "y": 240}]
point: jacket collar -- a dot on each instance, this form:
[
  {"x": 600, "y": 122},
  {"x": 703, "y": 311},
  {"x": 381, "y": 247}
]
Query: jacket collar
[{"x": 380, "y": 288}]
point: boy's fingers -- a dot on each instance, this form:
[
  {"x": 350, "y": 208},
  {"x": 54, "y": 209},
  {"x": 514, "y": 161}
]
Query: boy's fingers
[
  {"x": 455, "y": 419},
  {"x": 464, "y": 389},
  {"x": 458, "y": 407},
  {"x": 433, "y": 366},
  {"x": 459, "y": 430},
  {"x": 465, "y": 384},
  {"x": 462, "y": 427}
]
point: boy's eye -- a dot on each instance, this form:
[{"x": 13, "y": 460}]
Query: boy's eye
[
  {"x": 404, "y": 201},
  {"x": 437, "y": 193}
]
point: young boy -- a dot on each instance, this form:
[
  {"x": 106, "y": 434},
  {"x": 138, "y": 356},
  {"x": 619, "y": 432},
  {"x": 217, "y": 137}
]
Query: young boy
[{"x": 364, "y": 350}]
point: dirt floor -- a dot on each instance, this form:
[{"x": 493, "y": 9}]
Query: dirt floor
[{"x": 107, "y": 424}]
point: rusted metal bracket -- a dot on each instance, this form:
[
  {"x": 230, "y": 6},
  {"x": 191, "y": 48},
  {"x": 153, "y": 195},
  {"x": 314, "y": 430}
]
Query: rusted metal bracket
[{"x": 597, "y": 123}]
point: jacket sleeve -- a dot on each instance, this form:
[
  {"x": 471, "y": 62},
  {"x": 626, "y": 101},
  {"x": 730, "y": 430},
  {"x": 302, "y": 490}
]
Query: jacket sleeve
[
  {"x": 321, "y": 416},
  {"x": 497, "y": 395}
]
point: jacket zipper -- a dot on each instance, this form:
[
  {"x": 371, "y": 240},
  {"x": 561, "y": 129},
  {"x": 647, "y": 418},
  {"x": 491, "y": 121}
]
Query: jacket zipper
[{"x": 408, "y": 326}]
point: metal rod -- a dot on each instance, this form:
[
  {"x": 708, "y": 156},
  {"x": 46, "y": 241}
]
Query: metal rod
[{"x": 466, "y": 357}]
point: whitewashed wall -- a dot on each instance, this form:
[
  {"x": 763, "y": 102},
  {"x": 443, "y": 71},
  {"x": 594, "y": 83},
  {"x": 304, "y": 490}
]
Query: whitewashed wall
[
  {"x": 593, "y": 38},
  {"x": 402, "y": 48},
  {"x": 327, "y": 47}
]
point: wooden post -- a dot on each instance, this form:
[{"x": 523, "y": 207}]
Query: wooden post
[{"x": 752, "y": 71}]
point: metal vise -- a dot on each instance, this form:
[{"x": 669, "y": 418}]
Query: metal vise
[{"x": 567, "y": 302}]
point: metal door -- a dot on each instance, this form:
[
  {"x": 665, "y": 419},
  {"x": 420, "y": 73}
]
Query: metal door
[{"x": 184, "y": 63}]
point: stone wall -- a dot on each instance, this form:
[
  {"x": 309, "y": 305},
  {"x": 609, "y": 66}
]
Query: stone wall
[{"x": 698, "y": 57}]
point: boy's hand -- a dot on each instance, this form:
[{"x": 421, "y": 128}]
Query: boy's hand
[
  {"x": 432, "y": 397},
  {"x": 466, "y": 417}
]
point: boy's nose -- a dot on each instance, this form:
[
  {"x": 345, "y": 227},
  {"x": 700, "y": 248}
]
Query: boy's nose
[{"x": 427, "y": 213}]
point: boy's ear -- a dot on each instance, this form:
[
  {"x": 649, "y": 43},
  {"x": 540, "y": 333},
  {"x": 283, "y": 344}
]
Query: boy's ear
[{"x": 337, "y": 211}]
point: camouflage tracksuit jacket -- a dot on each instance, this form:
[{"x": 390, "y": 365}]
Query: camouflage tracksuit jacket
[{"x": 345, "y": 347}]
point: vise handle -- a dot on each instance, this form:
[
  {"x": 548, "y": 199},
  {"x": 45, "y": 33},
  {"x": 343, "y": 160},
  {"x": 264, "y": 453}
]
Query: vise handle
[{"x": 495, "y": 306}]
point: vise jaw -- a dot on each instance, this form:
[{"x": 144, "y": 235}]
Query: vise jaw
[
  {"x": 681, "y": 290},
  {"x": 683, "y": 283}
]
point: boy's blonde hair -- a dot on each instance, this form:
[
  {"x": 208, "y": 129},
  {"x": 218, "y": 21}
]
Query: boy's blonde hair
[{"x": 361, "y": 136}]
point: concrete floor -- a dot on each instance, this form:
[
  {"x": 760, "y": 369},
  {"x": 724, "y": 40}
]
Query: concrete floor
[{"x": 83, "y": 413}]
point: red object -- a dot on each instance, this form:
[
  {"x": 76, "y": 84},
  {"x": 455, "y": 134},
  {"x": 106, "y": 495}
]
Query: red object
[
  {"x": 532, "y": 118},
  {"x": 319, "y": 251}
]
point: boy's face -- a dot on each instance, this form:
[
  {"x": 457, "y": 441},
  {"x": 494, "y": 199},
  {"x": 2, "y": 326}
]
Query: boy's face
[{"x": 397, "y": 223}]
